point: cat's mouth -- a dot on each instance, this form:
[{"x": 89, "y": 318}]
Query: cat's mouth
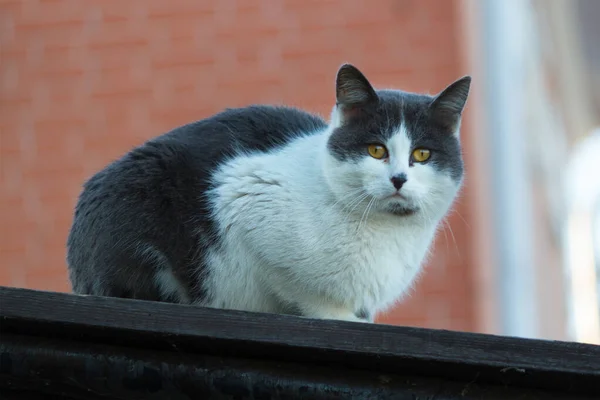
[
  {"x": 400, "y": 204},
  {"x": 399, "y": 196}
]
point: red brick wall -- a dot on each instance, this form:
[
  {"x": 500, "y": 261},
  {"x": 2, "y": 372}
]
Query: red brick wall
[{"x": 84, "y": 81}]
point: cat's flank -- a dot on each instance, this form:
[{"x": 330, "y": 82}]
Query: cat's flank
[{"x": 271, "y": 209}]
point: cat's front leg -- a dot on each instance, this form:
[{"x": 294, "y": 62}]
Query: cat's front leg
[{"x": 330, "y": 311}]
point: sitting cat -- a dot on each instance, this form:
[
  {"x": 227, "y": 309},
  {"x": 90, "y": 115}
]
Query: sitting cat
[{"x": 271, "y": 209}]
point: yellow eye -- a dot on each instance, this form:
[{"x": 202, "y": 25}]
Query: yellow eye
[
  {"x": 421, "y": 155},
  {"x": 377, "y": 151}
]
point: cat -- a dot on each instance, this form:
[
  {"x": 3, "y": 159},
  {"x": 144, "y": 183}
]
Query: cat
[{"x": 272, "y": 209}]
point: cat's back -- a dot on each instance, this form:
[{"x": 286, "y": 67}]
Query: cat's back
[
  {"x": 240, "y": 130},
  {"x": 147, "y": 209},
  {"x": 185, "y": 157}
]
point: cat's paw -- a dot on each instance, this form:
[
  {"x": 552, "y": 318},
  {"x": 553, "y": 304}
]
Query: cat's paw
[
  {"x": 336, "y": 313},
  {"x": 358, "y": 319},
  {"x": 353, "y": 318}
]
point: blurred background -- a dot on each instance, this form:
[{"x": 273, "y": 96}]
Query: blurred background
[{"x": 81, "y": 82}]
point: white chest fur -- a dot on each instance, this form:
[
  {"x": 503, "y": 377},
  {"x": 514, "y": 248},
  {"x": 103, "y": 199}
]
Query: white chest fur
[{"x": 286, "y": 245}]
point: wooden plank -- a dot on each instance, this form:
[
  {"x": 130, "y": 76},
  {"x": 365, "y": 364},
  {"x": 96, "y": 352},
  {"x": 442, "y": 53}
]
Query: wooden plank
[
  {"x": 378, "y": 349},
  {"x": 79, "y": 370}
]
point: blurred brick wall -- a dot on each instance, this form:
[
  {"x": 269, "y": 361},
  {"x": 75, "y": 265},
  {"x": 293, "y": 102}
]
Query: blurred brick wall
[{"x": 84, "y": 81}]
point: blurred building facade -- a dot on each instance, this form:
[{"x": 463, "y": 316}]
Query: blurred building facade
[{"x": 83, "y": 82}]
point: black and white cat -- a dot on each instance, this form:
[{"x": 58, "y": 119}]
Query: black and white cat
[{"x": 271, "y": 209}]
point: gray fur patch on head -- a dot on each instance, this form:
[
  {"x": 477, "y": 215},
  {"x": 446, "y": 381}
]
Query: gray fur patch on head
[{"x": 367, "y": 116}]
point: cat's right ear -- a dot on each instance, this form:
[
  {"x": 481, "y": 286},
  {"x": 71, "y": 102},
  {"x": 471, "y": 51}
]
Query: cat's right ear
[
  {"x": 447, "y": 107},
  {"x": 353, "y": 92}
]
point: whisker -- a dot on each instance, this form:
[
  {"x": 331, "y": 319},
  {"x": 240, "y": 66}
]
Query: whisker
[
  {"x": 349, "y": 194},
  {"x": 360, "y": 200},
  {"x": 356, "y": 202},
  {"x": 453, "y": 238},
  {"x": 464, "y": 220},
  {"x": 365, "y": 214},
  {"x": 445, "y": 236}
]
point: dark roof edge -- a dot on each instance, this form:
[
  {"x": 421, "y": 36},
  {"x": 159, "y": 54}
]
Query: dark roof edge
[{"x": 107, "y": 337}]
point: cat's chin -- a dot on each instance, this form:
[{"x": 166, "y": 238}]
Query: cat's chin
[{"x": 401, "y": 210}]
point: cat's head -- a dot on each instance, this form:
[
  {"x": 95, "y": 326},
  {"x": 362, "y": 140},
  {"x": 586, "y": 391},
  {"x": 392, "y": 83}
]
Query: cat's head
[{"x": 392, "y": 151}]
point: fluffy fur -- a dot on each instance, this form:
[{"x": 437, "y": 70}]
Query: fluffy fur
[{"x": 271, "y": 209}]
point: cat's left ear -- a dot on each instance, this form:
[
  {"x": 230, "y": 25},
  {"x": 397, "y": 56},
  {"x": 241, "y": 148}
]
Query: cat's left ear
[
  {"x": 447, "y": 107},
  {"x": 353, "y": 92}
]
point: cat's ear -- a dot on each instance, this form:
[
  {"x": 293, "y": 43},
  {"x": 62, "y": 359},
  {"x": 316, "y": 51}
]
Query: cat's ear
[
  {"x": 447, "y": 107},
  {"x": 353, "y": 92}
]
